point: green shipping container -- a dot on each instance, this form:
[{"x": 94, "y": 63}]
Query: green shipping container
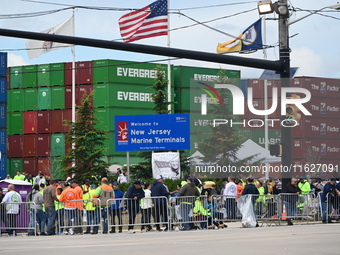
[
  {"x": 58, "y": 98},
  {"x": 118, "y": 71},
  {"x": 56, "y": 168},
  {"x": 44, "y": 98},
  {"x": 109, "y": 144},
  {"x": 15, "y": 164},
  {"x": 183, "y": 75},
  {"x": 57, "y": 145},
  {"x": 123, "y": 95},
  {"x": 103, "y": 95},
  {"x": 29, "y": 76},
  {"x": 15, "y": 100},
  {"x": 15, "y": 123},
  {"x": 30, "y": 99},
  {"x": 57, "y": 75},
  {"x": 15, "y": 75},
  {"x": 44, "y": 74}
]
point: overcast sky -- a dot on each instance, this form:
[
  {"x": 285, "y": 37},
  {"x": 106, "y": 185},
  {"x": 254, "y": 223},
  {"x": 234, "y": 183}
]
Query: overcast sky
[{"x": 314, "y": 47}]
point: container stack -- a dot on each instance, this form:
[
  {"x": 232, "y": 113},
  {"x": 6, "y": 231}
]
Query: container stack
[
  {"x": 317, "y": 139},
  {"x": 40, "y": 101},
  {"x": 3, "y": 109}
]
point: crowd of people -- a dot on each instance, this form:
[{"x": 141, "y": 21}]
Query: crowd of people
[{"x": 70, "y": 202}]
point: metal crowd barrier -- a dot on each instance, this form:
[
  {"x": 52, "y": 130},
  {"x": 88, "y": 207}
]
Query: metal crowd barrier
[
  {"x": 298, "y": 207},
  {"x": 17, "y": 217},
  {"x": 146, "y": 213},
  {"x": 332, "y": 207},
  {"x": 75, "y": 215}
]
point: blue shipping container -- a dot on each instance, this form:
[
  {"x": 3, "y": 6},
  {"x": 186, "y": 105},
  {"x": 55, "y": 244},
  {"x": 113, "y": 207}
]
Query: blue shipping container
[
  {"x": 3, "y": 64},
  {"x": 3, "y": 166},
  {"x": 3, "y": 141},
  {"x": 3, "y": 111},
  {"x": 3, "y": 89}
]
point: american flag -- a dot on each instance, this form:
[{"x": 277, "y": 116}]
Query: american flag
[{"x": 149, "y": 21}]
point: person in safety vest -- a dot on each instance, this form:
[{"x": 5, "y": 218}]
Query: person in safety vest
[
  {"x": 79, "y": 191},
  {"x": 304, "y": 186},
  {"x": 12, "y": 200},
  {"x": 105, "y": 193},
  {"x": 68, "y": 196},
  {"x": 92, "y": 211}
]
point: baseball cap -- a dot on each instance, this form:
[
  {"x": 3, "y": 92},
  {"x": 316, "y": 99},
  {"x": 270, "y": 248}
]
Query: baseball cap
[
  {"x": 333, "y": 179},
  {"x": 159, "y": 177},
  {"x": 137, "y": 182},
  {"x": 115, "y": 183}
]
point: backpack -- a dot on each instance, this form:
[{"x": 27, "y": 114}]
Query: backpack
[{"x": 105, "y": 195}]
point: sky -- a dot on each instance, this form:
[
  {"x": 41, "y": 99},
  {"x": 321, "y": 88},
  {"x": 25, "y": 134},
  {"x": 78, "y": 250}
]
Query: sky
[{"x": 313, "y": 42}]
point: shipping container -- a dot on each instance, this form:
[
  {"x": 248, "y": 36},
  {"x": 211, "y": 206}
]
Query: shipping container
[
  {"x": 14, "y": 146},
  {"x": 68, "y": 97},
  {"x": 103, "y": 95},
  {"x": 15, "y": 100},
  {"x": 15, "y": 123},
  {"x": 56, "y": 168},
  {"x": 57, "y": 123},
  {"x": 258, "y": 136},
  {"x": 57, "y": 145},
  {"x": 323, "y": 107},
  {"x": 109, "y": 145},
  {"x": 184, "y": 74},
  {"x": 15, "y": 75},
  {"x": 14, "y": 165},
  {"x": 57, "y": 76},
  {"x": 67, "y": 117},
  {"x": 30, "y": 122},
  {"x": 80, "y": 91},
  {"x": 319, "y": 168},
  {"x": 3, "y": 64},
  {"x": 43, "y": 75},
  {"x": 44, "y": 122},
  {"x": 3, "y": 115},
  {"x": 118, "y": 71},
  {"x": 3, "y": 166},
  {"x": 83, "y": 72},
  {"x": 258, "y": 123},
  {"x": 3, "y": 89},
  {"x": 29, "y": 76},
  {"x": 318, "y": 87},
  {"x": 317, "y": 128},
  {"x": 30, "y": 145},
  {"x": 44, "y": 165},
  {"x": 259, "y": 104},
  {"x": 30, "y": 166},
  {"x": 3, "y": 141},
  {"x": 30, "y": 99},
  {"x": 43, "y": 145},
  {"x": 316, "y": 148},
  {"x": 58, "y": 98},
  {"x": 44, "y": 98}
]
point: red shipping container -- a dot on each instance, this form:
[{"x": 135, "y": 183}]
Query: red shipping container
[
  {"x": 43, "y": 145},
  {"x": 316, "y": 148},
  {"x": 44, "y": 165},
  {"x": 57, "y": 121},
  {"x": 319, "y": 87},
  {"x": 14, "y": 146},
  {"x": 30, "y": 146},
  {"x": 257, "y": 88},
  {"x": 68, "y": 97},
  {"x": 317, "y": 128},
  {"x": 30, "y": 166},
  {"x": 30, "y": 122},
  {"x": 257, "y": 104},
  {"x": 83, "y": 73},
  {"x": 44, "y": 122},
  {"x": 80, "y": 91},
  {"x": 323, "y": 107},
  {"x": 67, "y": 116}
]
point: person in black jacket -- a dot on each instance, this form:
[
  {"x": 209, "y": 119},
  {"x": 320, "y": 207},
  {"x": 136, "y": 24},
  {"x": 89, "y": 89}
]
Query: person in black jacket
[
  {"x": 291, "y": 199},
  {"x": 134, "y": 194},
  {"x": 250, "y": 189},
  {"x": 160, "y": 211}
]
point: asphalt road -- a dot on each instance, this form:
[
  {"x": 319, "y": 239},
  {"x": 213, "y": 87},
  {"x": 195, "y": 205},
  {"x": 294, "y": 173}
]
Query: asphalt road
[{"x": 275, "y": 240}]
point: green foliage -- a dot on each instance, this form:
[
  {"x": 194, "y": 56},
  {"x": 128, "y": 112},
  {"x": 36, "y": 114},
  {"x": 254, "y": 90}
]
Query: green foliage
[{"x": 88, "y": 141}]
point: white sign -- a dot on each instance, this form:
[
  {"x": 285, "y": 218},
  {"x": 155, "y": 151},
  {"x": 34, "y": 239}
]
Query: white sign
[{"x": 166, "y": 164}]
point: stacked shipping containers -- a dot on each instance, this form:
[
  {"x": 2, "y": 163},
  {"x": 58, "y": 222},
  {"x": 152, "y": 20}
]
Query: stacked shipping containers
[
  {"x": 41, "y": 100},
  {"x": 3, "y": 109}
]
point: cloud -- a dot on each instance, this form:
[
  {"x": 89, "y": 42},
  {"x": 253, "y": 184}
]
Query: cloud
[
  {"x": 15, "y": 60},
  {"x": 310, "y": 63}
]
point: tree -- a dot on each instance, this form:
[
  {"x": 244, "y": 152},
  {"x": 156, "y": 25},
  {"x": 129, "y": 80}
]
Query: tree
[
  {"x": 221, "y": 144},
  {"x": 143, "y": 170},
  {"x": 87, "y": 153}
]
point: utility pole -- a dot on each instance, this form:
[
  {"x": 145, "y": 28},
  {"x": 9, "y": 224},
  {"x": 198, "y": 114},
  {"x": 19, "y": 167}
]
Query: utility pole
[{"x": 286, "y": 132}]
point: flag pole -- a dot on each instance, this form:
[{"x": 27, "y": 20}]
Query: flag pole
[
  {"x": 73, "y": 85},
  {"x": 169, "y": 62}
]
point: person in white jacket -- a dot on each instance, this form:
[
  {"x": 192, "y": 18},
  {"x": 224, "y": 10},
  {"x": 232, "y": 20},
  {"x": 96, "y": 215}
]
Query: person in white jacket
[
  {"x": 13, "y": 201},
  {"x": 146, "y": 206}
]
